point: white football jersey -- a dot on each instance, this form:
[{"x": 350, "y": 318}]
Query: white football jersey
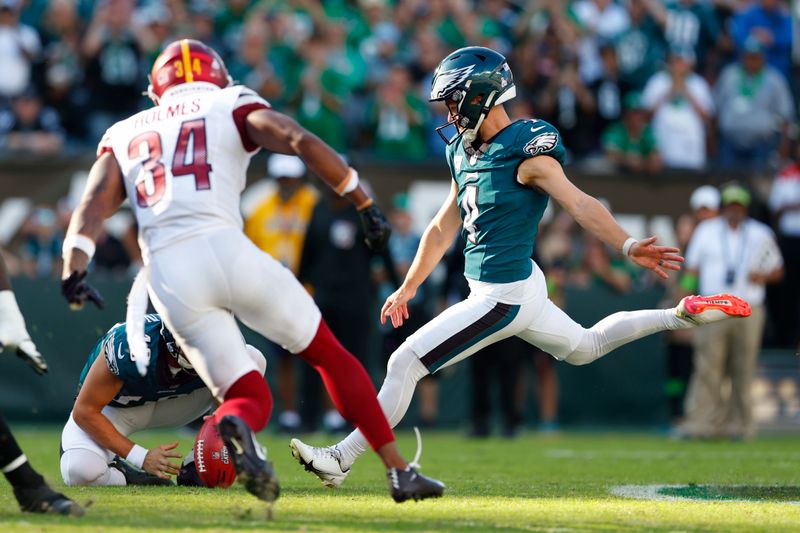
[{"x": 184, "y": 161}]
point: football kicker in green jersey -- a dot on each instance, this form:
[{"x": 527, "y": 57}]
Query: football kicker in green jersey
[{"x": 500, "y": 216}]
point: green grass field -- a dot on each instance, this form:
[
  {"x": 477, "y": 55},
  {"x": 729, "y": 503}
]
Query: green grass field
[{"x": 533, "y": 483}]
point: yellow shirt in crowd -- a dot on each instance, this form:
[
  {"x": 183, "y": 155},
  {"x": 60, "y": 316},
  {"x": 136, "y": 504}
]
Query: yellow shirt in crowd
[{"x": 279, "y": 228}]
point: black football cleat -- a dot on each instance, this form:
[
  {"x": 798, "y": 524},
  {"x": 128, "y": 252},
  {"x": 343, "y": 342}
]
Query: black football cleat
[
  {"x": 409, "y": 484},
  {"x": 188, "y": 475},
  {"x": 43, "y": 499},
  {"x": 134, "y": 476},
  {"x": 250, "y": 459}
]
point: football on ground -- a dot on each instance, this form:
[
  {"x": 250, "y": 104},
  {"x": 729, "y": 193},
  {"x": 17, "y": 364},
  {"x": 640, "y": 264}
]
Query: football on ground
[{"x": 214, "y": 463}]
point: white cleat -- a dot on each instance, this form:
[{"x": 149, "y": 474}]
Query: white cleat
[
  {"x": 325, "y": 463},
  {"x": 707, "y": 309}
]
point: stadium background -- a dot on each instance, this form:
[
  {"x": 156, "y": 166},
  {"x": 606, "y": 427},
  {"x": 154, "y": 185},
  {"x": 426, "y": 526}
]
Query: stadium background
[{"x": 355, "y": 73}]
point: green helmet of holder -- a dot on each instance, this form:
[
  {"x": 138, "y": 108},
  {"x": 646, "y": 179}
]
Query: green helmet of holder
[{"x": 475, "y": 79}]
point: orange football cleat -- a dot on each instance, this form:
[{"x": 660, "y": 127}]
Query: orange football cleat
[{"x": 707, "y": 309}]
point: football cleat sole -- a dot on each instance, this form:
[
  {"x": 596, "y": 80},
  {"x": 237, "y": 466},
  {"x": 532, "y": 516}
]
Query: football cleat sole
[
  {"x": 252, "y": 468},
  {"x": 708, "y": 309}
]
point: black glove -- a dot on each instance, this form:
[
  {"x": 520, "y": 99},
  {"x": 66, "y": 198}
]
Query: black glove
[
  {"x": 77, "y": 291},
  {"x": 376, "y": 227}
]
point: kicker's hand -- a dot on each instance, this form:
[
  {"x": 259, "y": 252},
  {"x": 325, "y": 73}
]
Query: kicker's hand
[
  {"x": 77, "y": 291},
  {"x": 659, "y": 259},
  {"x": 376, "y": 227},
  {"x": 396, "y": 306},
  {"x": 157, "y": 461}
]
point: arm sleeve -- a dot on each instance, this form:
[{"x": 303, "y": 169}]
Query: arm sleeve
[{"x": 247, "y": 102}]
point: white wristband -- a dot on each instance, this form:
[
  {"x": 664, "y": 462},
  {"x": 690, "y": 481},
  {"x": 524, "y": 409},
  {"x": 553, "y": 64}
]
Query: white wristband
[
  {"x": 351, "y": 184},
  {"x": 626, "y": 248},
  {"x": 81, "y": 242},
  {"x": 137, "y": 455}
]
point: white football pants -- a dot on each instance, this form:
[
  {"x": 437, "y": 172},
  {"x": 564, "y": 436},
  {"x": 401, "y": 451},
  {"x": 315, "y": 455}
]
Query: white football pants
[{"x": 197, "y": 286}]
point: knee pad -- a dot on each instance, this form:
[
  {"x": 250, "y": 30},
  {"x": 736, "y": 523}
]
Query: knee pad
[
  {"x": 81, "y": 467},
  {"x": 404, "y": 364},
  {"x": 588, "y": 350}
]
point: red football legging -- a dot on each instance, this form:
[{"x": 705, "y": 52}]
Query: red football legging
[
  {"x": 349, "y": 386},
  {"x": 250, "y": 399}
]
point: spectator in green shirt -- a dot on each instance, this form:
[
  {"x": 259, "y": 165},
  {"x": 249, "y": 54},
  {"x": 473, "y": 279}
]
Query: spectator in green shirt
[
  {"x": 630, "y": 143},
  {"x": 398, "y": 118}
]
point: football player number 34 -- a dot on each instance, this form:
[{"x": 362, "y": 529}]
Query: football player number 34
[{"x": 151, "y": 185}]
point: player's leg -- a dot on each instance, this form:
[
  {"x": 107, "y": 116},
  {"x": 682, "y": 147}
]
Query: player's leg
[
  {"x": 557, "y": 334},
  {"x": 191, "y": 297},
  {"x": 84, "y": 462},
  {"x": 269, "y": 299},
  {"x": 177, "y": 412},
  {"x": 454, "y": 335},
  {"x": 30, "y": 489},
  {"x": 280, "y": 308}
]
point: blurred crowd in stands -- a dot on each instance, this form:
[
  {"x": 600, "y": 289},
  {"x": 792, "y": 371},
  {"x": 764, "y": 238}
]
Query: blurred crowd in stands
[{"x": 639, "y": 85}]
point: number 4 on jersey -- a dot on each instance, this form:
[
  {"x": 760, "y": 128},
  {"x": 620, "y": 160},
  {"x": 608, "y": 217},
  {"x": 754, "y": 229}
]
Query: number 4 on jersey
[
  {"x": 151, "y": 186},
  {"x": 469, "y": 203}
]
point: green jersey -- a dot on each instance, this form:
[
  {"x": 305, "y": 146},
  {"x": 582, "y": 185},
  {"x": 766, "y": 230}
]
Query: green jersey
[
  {"x": 501, "y": 216},
  {"x": 162, "y": 380}
]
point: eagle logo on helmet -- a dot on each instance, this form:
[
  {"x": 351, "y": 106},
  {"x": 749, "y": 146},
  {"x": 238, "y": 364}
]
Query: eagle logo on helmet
[
  {"x": 544, "y": 142},
  {"x": 450, "y": 79}
]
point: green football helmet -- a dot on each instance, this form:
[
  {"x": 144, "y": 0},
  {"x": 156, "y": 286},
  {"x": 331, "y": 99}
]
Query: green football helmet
[{"x": 475, "y": 79}]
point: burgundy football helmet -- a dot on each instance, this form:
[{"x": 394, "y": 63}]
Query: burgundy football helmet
[{"x": 186, "y": 61}]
